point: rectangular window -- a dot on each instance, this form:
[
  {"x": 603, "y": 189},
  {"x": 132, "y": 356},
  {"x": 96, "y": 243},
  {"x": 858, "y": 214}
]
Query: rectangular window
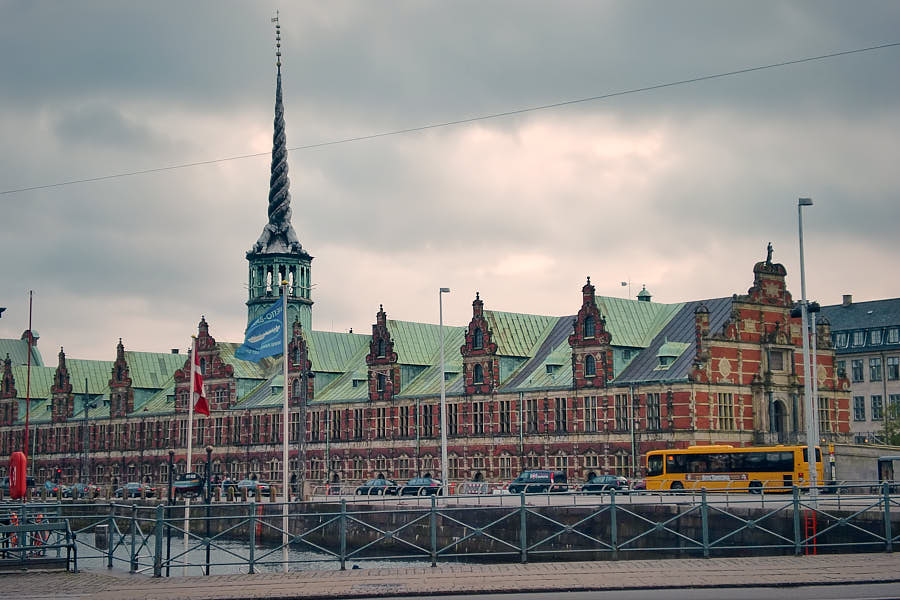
[
  {"x": 403, "y": 466},
  {"x": 531, "y": 425},
  {"x": 428, "y": 420},
  {"x": 256, "y": 429},
  {"x": 859, "y": 408},
  {"x": 335, "y": 425},
  {"x": 877, "y": 408},
  {"x": 182, "y": 432},
  {"x": 894, "y": 405},
  {"x": 856, "y": 366},
  {"x": 859, "y": 338},
  {"x": 315, "y": 425},
  {"x": 404, "y": 421},
  {"x": 560, "y": 414},
  {"x": 590, "y": 413},
  {"x": 841, "y": 368},
  {"x": 478, "y": 417},
  {"x": 218, "y": 434},
  {"x": 893, "y": 368},
  {"x": 841, "y": 339},
  {"x": 893, "y": 335},
  {"x": 875, "y": 369},
  {"x": 875, "y": 337},
  {"x": 825, "y": 422},
  {"x": 357, "y": 423},
  {"x": 506, "y": 470},
  {"x": 725, "y": 412},
  {"x": 236, "y": 429},
  {"x": 653, "y": 411},
  {"x": 276, "y": 428},
  {"x": 505, "y": 416},
  {"x": 621, "y": 406},
  {"x": 453, "y": 419},
  {"x": 382, "y": 423},
  {"x": 776, "y": 360}
]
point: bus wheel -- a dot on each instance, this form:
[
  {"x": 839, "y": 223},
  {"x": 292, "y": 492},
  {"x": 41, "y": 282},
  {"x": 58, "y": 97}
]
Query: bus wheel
[
  {"x": 755, "y": 487},
  {"x": 677, "y": 485}
]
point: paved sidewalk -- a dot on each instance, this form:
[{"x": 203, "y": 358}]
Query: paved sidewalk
[{"x": 457, "y": 579}]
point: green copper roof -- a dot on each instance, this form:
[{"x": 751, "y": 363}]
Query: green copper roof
[
  {"x": 428, "y": 382},
  {"x": 672, "y": 349},
  {"x": 18, "y": 352},
  {"x": 419, "y": 343},
  {"x": 330, "y": 351},
  {"x": 342, "y": 388},
  {"x": 633, "y": 323},
  {"x": 518, "y": 334},
  {"x": 151, "y": 369}
]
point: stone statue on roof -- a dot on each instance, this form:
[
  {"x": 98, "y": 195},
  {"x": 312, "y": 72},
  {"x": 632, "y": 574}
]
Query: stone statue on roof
[{"x": 769, "y": 254}]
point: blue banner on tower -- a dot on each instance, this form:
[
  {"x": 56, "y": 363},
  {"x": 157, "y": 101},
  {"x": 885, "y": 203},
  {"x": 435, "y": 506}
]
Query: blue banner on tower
[{"x": 264, "y": 335}]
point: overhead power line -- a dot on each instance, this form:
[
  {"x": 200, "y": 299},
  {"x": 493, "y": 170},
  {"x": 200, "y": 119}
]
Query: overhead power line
[{"x": 498, "y": 115}]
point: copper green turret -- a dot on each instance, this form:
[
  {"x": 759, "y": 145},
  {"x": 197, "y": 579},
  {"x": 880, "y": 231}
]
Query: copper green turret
[{"x": 278, "y": 255}]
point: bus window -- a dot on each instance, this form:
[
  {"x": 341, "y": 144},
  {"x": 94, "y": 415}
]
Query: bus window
[
  {"x": 806, "y": 455},
  {"x": 654, "y": 465}
]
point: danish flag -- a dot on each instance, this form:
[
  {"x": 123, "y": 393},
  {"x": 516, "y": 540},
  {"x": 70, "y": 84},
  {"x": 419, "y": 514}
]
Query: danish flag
[{"x": 201, "y": 406}]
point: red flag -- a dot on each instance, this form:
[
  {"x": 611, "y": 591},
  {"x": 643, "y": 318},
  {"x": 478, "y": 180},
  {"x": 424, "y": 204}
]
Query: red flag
[{"x": 201, "y": 406}]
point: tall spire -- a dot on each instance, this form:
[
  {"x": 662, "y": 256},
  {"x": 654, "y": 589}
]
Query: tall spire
[{"x": 278, "y": 236}]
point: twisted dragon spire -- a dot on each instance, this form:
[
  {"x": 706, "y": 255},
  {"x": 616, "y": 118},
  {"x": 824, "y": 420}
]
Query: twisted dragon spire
[{"x": 278, "y": 235}]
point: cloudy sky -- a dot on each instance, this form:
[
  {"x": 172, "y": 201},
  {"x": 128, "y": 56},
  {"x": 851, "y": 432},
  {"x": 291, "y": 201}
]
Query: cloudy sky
[{"x": 678, "y": 188}]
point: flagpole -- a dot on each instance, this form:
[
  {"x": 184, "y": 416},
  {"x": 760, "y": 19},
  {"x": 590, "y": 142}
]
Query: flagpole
[
  {"x": 27, "y": 383},
  {"x": 284, "y": 434},
  {"x": 190, "y": 446}
]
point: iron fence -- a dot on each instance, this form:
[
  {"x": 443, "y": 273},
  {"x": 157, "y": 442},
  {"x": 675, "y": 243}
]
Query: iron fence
[{"x": 248, "y": 537}]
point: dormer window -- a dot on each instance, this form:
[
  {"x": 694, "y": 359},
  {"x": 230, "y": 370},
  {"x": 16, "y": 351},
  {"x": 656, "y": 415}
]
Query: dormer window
[
  {"x": 551, "y": 369},
  {"x": 666, "y": 361},
  {"x": 590, "y": 366},
  {"x": 859, "y": 338},
  {"x": 875, "y": 337},
  {"x": 841, "y": 339},
  {"x": 893, "y": 335},
  {"x": 590, "y": 327},
  {"x": 478, "y": 372},
  {"x": 380, "y": 353},
  {"x": 477, "y": 339}
]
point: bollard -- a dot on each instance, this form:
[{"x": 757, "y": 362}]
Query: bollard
[
  {"x": 273, "y": 491},
  {"x": 523, "y": 537},
  {"x": 217, "y": 494},
  {"x": 243, "y": 494},
  {"x": 158, "y": 530},
  {"x": 43, "y": 494},
  {"x": 433, "y": 516},
  {"x": 704, "y": 517},
  {"x": 230, "y": 493}
]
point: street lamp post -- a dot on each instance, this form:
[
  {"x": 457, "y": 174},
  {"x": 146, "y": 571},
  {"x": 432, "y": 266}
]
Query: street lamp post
[
  {"x": 810, "y": 404},
  {"x": 85, "y": 450},
  {"x": 209, "y": 450},
  {"x": 444, "y": 466}
]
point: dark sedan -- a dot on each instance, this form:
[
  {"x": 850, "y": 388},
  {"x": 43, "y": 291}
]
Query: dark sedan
[
  {"x": 422, "y": 486},
  {"x": 378, "y": 487},
  {"x": 600, "y": 484},
  {"x": 133, "y": 490}
]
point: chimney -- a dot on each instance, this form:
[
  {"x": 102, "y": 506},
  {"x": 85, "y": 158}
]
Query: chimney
[{"x": 847, "y": 301}]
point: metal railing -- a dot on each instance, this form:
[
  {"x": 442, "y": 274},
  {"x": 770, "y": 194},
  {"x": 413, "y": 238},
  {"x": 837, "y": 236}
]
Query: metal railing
[{"x": 247, "y": 537}]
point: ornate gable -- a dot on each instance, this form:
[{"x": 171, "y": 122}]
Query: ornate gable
[
  {"x": 481, "y": 369},
  {"x": 384, "y": 373},
  {"x": 62, "y": 401},
  {"x": 8, "y": 403},
  {"x": 121, "y": 396},
  {"x": 299, "y": 367},
  {"x": 592, "y": 364},
  {"x": 218, "y": 376}
]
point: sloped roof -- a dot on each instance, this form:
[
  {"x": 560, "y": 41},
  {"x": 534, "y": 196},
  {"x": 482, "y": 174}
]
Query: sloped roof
[
  {"x": 246, "y": 369},
  {"x": 863, "y": 315},
  {"x": 428, "y": 382},
  {"x": 331, "y": 351},
  {"x": 18, "y": 352},
  {"x": 633, "y": 323},
  {"x": 518, "y": 334},
  {"x": 554, "y": 348},
  {"x": 418, "y": 343},
  {"x": 681, "y": 328},
  {"x": 150, "y": 369}
]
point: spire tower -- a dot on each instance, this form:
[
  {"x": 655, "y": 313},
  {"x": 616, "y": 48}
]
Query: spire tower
[{"x": 278, "y": 255}]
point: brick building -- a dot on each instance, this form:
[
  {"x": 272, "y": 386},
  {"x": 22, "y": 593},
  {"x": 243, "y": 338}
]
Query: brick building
[{"x": 590, "y": 391}]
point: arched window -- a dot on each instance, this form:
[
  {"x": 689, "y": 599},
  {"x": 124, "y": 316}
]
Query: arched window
[
  {"x": 380, "y": 349},
  {"x": 589, "y": 327},
  {"x": 477, "y": 339},
  {"x": 478, "y": 374},
  {"x": 297, "y": 355},
  {"x": 380, "y": 382},
  {"x": 590, "y": 366},
  {"x": 203, "y": 366},
  {"x": 296, "y": 387}
]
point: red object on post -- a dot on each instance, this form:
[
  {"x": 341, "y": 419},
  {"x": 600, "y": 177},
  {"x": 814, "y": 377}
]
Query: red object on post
[{"x": 17, "y": 475}]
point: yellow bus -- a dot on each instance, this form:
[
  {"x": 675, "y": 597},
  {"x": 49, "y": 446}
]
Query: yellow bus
[{"x": 725, "y": 467}]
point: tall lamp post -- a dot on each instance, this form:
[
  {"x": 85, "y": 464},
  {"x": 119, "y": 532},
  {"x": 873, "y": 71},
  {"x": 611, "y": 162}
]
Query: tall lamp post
[
  {"x": 810, "y": 404},
  {"x": 444, "y": 466},
  {"x": 85, "y": 450}
]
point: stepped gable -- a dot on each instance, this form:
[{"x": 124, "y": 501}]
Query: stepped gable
[
  {"x": 218, "y": 376},
  {"x": 383, "y": 370},
  {"x": 592, "y": 358}
]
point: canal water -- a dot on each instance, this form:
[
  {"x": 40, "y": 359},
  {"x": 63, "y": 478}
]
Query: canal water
[{"x": 228, "y": 557}]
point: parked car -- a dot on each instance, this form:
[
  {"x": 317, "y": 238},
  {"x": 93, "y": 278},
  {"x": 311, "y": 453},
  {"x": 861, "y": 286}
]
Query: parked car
[
  {"x": 85, "y": 490},
  {"x": 133, "y": 490},
  {"x": 4, "y": 484},
  {"x": 188, "y": 485},
  {"x": 539, "y": 482},
  {"x": 422, "y": 486},
  {"x": 252, "y": 485},
  {"x": 599, "y": 484},
  {"x": 53, "y": 489},
  {"x": 377, "y": 487},
  {"x": 638, "y": 485}
]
